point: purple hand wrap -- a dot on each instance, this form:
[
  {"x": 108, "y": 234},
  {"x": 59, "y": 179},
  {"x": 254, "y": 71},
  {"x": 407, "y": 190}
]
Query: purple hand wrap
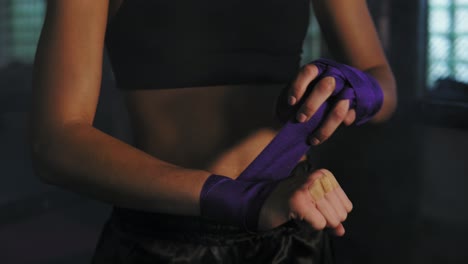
[
  {"x": 234, "y": 202},
  {"x": 239, "y": 201},
  {"x": 359, "y": 87}
]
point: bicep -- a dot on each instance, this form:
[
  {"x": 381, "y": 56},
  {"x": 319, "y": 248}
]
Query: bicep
[
  {"x": 68, "y": 63},
  {"x": 350, "y": 32}
]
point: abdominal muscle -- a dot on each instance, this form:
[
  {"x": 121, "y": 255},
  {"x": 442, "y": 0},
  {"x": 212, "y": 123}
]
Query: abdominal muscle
[{"x": 220, "y": 129}]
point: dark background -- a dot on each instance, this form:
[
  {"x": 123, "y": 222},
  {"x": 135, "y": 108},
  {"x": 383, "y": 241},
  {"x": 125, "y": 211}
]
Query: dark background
[{"x": 407, "y": 178}]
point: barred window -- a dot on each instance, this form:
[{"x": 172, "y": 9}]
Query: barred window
[
  {"x": 447, "y": 53},
  {"x": 20, "y": 25}
]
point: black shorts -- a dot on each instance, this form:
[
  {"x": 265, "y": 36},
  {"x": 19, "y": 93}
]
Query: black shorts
[{"x": 138, "y": 237}]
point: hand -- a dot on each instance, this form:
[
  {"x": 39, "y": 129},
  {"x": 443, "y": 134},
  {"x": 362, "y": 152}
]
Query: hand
[
  {"x": 322, "y": 90},
  {"x": 315, "y": 198}
]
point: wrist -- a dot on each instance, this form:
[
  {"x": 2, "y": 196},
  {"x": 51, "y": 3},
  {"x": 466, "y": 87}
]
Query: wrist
[
  {"x": 234, "y": 202},
  {"x": 385, "y": 78},
  {"x": 361, "y": 88}
]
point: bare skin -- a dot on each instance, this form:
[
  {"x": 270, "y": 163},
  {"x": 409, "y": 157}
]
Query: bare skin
[{"x": 182, "y": 135}]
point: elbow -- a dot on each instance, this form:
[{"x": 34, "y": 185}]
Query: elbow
[{"x": 51, "y": 151}]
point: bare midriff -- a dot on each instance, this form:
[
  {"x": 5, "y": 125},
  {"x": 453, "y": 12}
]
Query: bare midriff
[{"x": 217, "y": 128}]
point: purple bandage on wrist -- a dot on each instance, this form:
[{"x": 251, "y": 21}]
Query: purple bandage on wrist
[
  {"x": 234, "y": 202},
  {"x": 363, "y": 91}
]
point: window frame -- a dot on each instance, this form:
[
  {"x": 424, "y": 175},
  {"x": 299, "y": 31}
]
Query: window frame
[{"x": 433, "y": 109}]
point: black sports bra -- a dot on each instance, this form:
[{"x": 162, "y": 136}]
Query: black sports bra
[{"x": 154, "y": 44}]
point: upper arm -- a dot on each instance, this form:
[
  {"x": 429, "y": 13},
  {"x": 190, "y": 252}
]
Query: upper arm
[
  {"x": 350, "y": 33},
  {"x": 68, "y": 64}
]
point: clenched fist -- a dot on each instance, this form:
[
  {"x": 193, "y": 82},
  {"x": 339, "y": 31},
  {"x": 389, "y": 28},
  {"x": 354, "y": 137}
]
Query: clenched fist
[{"x": 314, "y": 197}]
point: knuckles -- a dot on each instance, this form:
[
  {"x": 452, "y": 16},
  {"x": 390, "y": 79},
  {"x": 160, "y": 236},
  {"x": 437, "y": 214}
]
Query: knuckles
[
  {"x": 349, "y": 207},
  {"x": 319, "y": 225},
  {"x": 325, "y": 172},
  {"x": 321, "y": 136},
  {"x": 340, "y": 112},
  {"x": 308, "y": 109},
  {"x": 326, "y": 85},
  {"x": 310, "y": 69},
  {"x": 316, "y": 174},
  {"x": 333, "y": 224},
  {"x": 343, "y": 217}
]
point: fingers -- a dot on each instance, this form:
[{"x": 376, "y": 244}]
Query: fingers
[
  {"x": 328, "y": 212},
  {"x": 339, "y": 230},
  {"x": 336, "y": 204},
  {"x": 314, "y": 217},
  {"x": 343, "y": 198},
  {"x": 316, "y": 191},
  {"x": 322, "y": 90},
  {"x": 308, "y": 73},
  {"x": 332, "y": 196},
  {"x": 329, "y": 199},
  {"x": 350, "y": 117},
  {"x": 348, "y": 205},
  {"x": 321, "y": 183},
  {"x": 332, "y": 122}
]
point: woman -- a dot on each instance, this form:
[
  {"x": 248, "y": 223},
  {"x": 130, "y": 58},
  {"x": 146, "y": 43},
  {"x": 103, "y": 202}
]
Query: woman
[{"x": 186, "y": 69}]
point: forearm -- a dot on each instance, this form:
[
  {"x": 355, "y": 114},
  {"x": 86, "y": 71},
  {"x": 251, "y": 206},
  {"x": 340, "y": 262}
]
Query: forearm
[
  {"x": 88, "y": 161},
  {"x": 351, "y": 36}
]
